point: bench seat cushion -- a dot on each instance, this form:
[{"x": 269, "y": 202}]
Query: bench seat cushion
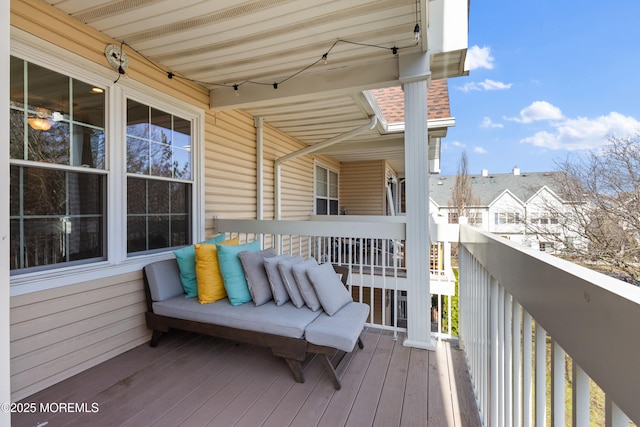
[
  {"x": 284, "y": 320},
  {"x": 341, "y": 330}
]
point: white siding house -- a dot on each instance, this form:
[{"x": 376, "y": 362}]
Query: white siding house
[{"x": 521, "y": 207}]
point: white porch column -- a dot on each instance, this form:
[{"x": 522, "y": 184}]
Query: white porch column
[
  {"x": 5, "y": 370},
  {"x": 414, "y": 75}
]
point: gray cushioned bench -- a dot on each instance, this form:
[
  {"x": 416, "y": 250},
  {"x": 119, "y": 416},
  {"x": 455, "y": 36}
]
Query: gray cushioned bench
[{"x": 290, "y": 332}]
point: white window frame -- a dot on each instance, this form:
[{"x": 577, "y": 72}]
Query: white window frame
[
  {"x": 315, "y": 194},
  {"x": 45, "y": 54},
  {"x": 507, "y": 218}
]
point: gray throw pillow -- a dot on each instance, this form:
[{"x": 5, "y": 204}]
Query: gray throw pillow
[
  {"x": 289, "y": 281},
  {"x": 331, "y": 292},
  {"x": 280, "y": 294},
  {"x": 253, "y": 265},
  {"x": 304, "y": 284}
]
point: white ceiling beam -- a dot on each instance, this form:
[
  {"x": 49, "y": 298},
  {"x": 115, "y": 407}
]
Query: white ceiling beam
[
  {"x": 364, "y": 146},
  {"x": 301, "y": 87}
]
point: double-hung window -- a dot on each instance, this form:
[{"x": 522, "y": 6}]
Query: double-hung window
[
  {"x": 57, "y": 169},
  {"x": 326, "y": 197},
  {"x": 158, "y": 179}
]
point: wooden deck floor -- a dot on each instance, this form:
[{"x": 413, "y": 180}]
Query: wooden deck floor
[{"x": 194, "y": 380}]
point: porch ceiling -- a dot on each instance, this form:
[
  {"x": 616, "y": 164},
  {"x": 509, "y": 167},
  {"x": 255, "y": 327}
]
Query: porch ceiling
[{"x": 255, "y": 43}]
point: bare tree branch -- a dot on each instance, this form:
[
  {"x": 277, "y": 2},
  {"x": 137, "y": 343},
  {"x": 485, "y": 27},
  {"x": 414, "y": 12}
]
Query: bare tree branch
[{"x": 599, "y": 221}]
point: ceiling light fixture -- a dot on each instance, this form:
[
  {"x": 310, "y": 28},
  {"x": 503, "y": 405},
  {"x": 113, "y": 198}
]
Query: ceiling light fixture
[
  {"x": 38, "y": 123},
  {"x": 43, "y": 119}
]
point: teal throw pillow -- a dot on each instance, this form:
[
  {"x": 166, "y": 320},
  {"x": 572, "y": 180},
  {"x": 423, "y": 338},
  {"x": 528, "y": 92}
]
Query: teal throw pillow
[
  {"x": 186, "y": 258},
  {"x": 232, "y": 272}
]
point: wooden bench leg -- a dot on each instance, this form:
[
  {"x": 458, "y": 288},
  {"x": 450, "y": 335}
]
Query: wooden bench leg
[
  {"x": 155, "y": 338},
  {"x": 296, "y": 369},
  {"x": 331, "y": 371}
]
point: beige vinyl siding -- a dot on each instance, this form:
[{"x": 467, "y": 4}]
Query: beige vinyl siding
[
  {"x": 231, "y": 173},
  {"x": 60, "y": 332},
  {"x": 362, "y": 187},
  {"x": 229, "y": 167}
]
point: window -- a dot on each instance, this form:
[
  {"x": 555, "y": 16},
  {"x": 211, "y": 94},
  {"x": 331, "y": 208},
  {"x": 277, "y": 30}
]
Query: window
[
  {"x": 547, "y": 247},
  {"x": 507, "y": 218},
  {"x": 544, "y": 218},
  {"x": 158, "y": 179},
  {"x": 326, "y": 191},
  {"x": 62, "y": 166},
  {"x": 475, "y": 218},
  {"x": 57, "y": 169},
  {"x": 453, "y": 218}
]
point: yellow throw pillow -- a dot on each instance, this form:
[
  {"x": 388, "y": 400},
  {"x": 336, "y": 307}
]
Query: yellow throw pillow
[{"x": 210, "y": 284}]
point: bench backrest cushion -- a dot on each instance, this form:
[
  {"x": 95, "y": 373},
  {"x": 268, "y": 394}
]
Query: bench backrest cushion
[
  {"x": 163, "y": 279},
  {"x": 329, "y": 288}
]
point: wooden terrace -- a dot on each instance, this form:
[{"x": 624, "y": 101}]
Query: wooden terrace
[{"x": 196, "y": 380}]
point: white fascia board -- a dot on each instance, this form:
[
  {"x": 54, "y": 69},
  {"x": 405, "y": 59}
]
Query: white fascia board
[
  {"x": 431, "y": 124},
  {"x": 448, "y": 28}
]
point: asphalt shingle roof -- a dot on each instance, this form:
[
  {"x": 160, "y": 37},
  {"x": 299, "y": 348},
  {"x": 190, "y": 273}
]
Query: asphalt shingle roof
[
  {"x": 391, "y": 101},
  {"x": 488, "y": 188}
]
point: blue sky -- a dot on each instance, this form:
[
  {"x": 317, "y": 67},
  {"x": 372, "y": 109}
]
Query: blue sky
[{"x": 547, "y": 79}]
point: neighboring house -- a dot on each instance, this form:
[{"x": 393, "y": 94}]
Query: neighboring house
[
  {"x": 518, "y": 206},
  {"x": 127, "y": 139}
]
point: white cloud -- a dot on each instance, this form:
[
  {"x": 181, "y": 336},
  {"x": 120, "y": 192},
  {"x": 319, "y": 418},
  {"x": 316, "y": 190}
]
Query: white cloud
[
  {"x": 583, "y": 133},
  {"x": 538, "y": 110},
  {"x": 487, "y": 123},
  {"x": 479, "y": 150},
  {"x": 451, "y": 144},
  {"x": 479, "y": 57},
  {"x": 487, "y": 84}
]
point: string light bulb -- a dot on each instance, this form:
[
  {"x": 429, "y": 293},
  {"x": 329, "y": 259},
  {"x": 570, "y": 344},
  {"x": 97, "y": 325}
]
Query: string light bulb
[
  {"x": 236, "y": 90},
  {"x": 416, "y": 33},
  {"x": 324, "y": 58}
]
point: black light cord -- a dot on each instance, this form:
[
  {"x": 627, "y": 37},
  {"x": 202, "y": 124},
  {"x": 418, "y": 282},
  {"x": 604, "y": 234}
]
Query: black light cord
[
  {"x": 171, "y": 75},
  {"x": 121, "y": 71}
]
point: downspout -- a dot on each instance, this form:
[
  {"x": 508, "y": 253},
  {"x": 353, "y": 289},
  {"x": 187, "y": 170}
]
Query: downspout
[
  {"x": 258, "y": 122},
  {"x": 373, "y": 120}
]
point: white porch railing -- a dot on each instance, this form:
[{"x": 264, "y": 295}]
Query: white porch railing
[
  {"x": 371, "y": 246},
  {"x": 511, "y": 300}
]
